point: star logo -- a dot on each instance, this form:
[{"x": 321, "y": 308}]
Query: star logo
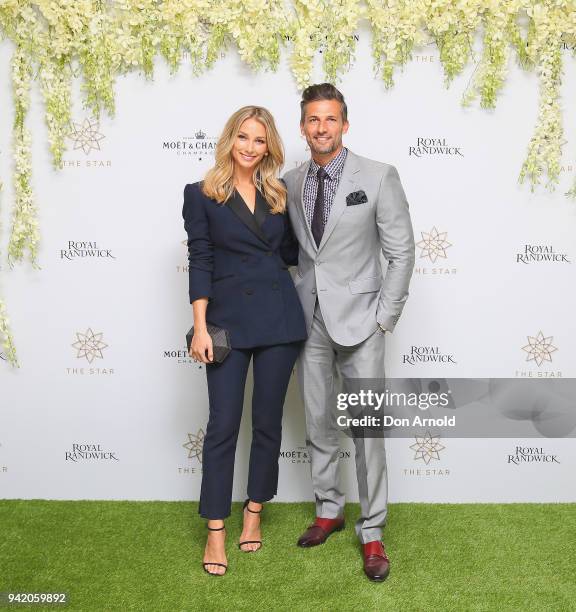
[
  {"x": 86, "y": 135},
  {"x": 89, "y": 345},
  {"x": 539, "y": 348},
  {"x": 194, "y": 445},
  {"x": 433, "y": 244},
  {"x": 427, "y": 447}
]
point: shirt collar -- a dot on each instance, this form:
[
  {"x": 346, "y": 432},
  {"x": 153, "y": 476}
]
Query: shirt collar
[{"x": 332, "y": 168}]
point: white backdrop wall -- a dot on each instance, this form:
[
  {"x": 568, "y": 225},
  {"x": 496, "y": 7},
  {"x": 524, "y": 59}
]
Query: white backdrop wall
[{"x": 141, "y": 404}]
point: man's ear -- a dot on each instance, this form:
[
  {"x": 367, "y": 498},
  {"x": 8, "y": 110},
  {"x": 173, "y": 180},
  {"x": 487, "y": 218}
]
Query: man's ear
[{"x": 345, "y": 127}]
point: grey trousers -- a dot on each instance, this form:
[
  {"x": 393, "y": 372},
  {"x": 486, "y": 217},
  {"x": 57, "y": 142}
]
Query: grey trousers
[{"x": 318, "y": 364}]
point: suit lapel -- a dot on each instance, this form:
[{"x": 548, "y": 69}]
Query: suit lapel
[
  {"x": 262, "y": 209},
  {"x": 300, "y": 184},
  {"x": 241, "y": 210},
  {"x": 347, "y": 184}
]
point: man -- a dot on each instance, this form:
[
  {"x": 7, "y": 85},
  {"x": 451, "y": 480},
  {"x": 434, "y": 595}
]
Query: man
[{"x": 345, "y": 211}]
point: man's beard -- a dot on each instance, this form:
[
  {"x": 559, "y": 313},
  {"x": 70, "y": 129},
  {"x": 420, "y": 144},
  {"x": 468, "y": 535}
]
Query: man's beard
[{"x": 328, "y": 148}]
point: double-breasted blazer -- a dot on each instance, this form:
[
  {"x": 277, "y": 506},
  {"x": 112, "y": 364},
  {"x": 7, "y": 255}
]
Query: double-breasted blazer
[{"x": 239, "y": 261}]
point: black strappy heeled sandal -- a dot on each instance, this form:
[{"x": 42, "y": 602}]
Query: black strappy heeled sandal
[
  {"x": 212, "y": 562},
  {"x": 240, "y": 544}
]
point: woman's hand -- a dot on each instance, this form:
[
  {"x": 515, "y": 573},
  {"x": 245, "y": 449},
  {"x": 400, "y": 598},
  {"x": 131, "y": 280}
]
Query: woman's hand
[{"x": 201, "y": 347}]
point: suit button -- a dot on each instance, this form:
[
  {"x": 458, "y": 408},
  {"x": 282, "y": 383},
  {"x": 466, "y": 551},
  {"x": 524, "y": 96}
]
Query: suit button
[
  {"x": 248, "y": 291},
  {"x": 317, "y": 263},
  {"x": 275, "y": 285},
  {"x": 313, "y": 290},
  {"x": 269, "y": 253}
]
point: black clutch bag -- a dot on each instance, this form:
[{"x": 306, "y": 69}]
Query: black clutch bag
[{"x": 220, "y": 341}]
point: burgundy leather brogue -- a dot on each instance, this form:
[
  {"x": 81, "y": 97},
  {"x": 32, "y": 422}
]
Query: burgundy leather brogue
[
  {"x": 319, "y": 531},
  {"x": 376, "y": 563}
]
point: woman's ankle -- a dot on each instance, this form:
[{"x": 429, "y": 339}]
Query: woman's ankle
[
  {"x": 215, "y": 524},
  {"x": 254, "y": 506}
]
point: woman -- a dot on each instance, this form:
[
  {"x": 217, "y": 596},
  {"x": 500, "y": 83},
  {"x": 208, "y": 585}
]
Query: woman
[{"x": 239, "y": 247}]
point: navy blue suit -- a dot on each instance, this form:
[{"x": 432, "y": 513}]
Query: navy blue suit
[{"x": 239, "y": 261}]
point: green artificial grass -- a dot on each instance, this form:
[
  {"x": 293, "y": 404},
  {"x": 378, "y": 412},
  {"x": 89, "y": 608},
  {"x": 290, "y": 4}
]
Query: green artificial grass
[{"x": 147, "y": 556}]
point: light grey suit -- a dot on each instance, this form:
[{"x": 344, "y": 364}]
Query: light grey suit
[{"x": 345, "y": 294}]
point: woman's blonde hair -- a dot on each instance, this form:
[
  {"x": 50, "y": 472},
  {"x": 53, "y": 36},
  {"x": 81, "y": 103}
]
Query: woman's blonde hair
[{"x": 219, "y": 181}]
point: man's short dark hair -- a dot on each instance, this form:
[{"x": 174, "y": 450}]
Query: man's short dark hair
[{"x": 322, "y": 91}]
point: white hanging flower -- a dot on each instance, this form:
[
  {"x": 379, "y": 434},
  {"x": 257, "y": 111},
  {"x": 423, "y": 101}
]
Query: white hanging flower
[{"x": 111, "y": 37}]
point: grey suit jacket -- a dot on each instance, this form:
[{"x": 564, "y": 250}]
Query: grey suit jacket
[{"x": 345, "y": 271}]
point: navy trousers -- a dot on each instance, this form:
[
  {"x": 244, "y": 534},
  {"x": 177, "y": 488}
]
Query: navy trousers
[{"x": 272, "y": 367}]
